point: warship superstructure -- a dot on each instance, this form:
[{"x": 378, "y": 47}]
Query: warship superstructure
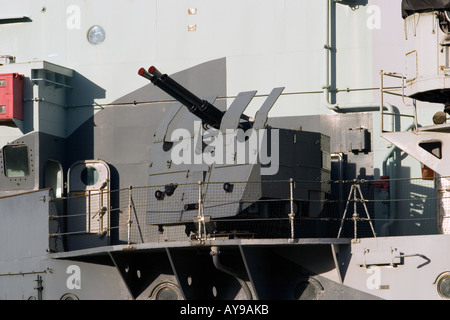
[{"x": 224, "y": 150}]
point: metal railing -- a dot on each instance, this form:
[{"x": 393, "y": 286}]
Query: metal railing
[
  {"x": 365, "y": 203},
  {"x": 391, "y": 110}
]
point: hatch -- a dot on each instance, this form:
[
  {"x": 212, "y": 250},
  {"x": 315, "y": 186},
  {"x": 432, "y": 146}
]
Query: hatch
[{"x": 88, "y": 202}]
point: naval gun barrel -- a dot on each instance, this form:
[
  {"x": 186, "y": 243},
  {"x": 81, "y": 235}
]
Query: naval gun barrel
[
  {"x": 207, "y": 112},
  {"x": 157, "y": 82}
]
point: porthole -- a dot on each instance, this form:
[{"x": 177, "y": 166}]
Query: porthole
[
  {"x": 69, "y": 296},
  {"x": 166, "y": 291},
  {"x": 96, "y": 35},
  {"x": 89, "y": 176},
  {"x": 443, "y": 285}
]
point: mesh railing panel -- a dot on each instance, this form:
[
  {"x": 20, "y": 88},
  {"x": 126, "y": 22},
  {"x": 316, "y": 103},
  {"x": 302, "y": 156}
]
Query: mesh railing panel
[{"x": 352, "y": 209}]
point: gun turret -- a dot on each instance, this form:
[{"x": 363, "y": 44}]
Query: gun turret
[
  {"x": 241, "y": 180},
  {"x": 207, "y": 112}
]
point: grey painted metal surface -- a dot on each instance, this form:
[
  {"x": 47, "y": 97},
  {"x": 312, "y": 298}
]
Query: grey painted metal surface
[
  {"x": 84, "y": 102},
  {"x": 263, "y": 113}
]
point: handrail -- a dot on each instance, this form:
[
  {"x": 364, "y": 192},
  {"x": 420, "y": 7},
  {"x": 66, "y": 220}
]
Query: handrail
[
  {"x": 288, "y": 219},
  {"x": 384, "y": 90}
]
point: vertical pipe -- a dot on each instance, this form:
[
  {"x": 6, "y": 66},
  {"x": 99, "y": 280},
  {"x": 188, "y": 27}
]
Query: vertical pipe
[
  {"x": 381, "y": 100},
  {"x": 326, "y": 58},
  {"x": 200, "y": 217},
  {"x": 108, "y": 207},
  {"x": 355, "y": 215},
  {"x": 39, "y": 287},
  {"x": 291, "y": 214},
  {"x": 89, "y": 211},
  {"x": 340, "y": 158},
  {"x": 215, "y": 252},
  {"x": 327, "y": 47},
  {"x": 129, "y": 215},
  {"x": 102, "y": 213}
]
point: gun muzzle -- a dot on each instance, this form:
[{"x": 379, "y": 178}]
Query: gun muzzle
[
  {"x": 142, "y": 72},
  {"x": 207, "y": 112},
  {"x": 157, "y": 82},
  {"x": 154, "y": 72}
]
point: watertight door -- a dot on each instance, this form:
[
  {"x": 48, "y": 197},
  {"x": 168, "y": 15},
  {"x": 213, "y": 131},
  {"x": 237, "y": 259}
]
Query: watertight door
[{"x": 89, "y": 203}]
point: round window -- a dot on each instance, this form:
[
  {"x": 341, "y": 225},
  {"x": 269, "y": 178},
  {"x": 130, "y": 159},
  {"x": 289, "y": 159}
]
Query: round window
[
  {"x": 443, "y": 286},
  {"x": 96, "y": 35},
  {"x": 166, "y": 293},
  {"x": 69, "y": 296},
  {"x": 89, "y": 176}
]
